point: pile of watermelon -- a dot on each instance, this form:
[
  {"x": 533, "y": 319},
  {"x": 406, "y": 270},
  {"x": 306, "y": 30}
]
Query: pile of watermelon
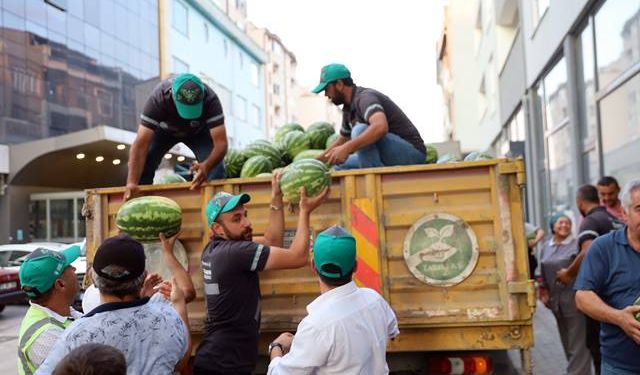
[{"x": 291, "y": 145}]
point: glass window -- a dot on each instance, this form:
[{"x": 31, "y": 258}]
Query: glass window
[
  {"x": 256, "y": 116},
  {"x": 121, "y": 22},
  {"x": 56, "y": 20},
  {"x": 75, "y": 29},
  {"x": 539, "y": 7},
  {"x": 75, "y": 7},
  {"x": 37, "y": 11},
  {"x": 107, "y": 16},
  {"x": 180, "y": 17},
  {"x": 91, "y": 36},
  {"x": 206, "y": 32},
  {"x": 62, "y": 216},
  {"x": 240, "y": 108},
  {"x": 556, "y": 96},
  {"x": 588, "y": 89},
  {"x": 39, "y": 219},
  {"x": 92, "y": 12},
  {"x": 620, "y": 116},
  {"x": 180, "y": 66},
  {"x": 560, "y": 173},
  {"x": 15, "y": 7},
  {"x": 11, "y": 21},
  {"x": 592, "y": 172},
  {"x": 617, "y": 36},
  {"x": 81, "y": 222},
  {"x": 255, "y": 75}
]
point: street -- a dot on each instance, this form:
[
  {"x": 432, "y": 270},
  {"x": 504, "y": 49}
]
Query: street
[{"x": 548, "y": 356}]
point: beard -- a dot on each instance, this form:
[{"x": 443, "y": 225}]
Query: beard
[
  {"x": 246, "y": 235},
  {"x": 338, "y": 98}
]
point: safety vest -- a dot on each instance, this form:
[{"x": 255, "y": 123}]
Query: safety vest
[{"x": 34, "y": 323}]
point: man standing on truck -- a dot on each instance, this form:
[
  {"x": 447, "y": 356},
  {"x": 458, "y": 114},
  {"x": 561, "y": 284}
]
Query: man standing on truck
[
  {"x": 608, "y": 288},
  {"x": 375, "y": 132},
  {"x": 180, "y": 109},
  {"x": 597, "y": 222},
  {"x": 230, "y": 264},
  {"x": 347, "y": 329}
]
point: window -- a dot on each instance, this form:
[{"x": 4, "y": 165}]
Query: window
[
  {"x": 256, "y": 115},
  {"x": 560, "y": 177},
  {"x": 180, "y": 18},
  {"x": 62, "y": 219},
  {"x": 556, "y": 96},
  {"x": 617, "y": 27},
  {"x": 588, "y": 88},
  {"x": 539, "y": 8},
  {"x": 180, "y": 66},
  {"x": 276, "y": 89},
  {"x": 255, "y": 74},
  {"x": 240, "y": 108},
  {"x": 621, "y": 131},
  {"x": 105, "y": 102},
  {"x": 57, "y": 217}
]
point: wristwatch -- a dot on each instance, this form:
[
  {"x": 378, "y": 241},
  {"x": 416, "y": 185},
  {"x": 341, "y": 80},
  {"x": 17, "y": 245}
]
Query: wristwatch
[{"x": 275, "y": 345}]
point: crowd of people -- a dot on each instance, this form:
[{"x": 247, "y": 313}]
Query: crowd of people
[{"x": 590, "y": 281}]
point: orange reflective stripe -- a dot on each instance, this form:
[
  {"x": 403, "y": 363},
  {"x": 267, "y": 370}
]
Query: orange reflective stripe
[{"x": 365, "y": 230}]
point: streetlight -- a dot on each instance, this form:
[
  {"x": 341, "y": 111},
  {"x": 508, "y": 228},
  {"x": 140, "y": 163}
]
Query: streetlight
[
  {"x": 80, "y": 156},
  {"x": 99, "y": 159},
  {"x": 116, "y": 161},
  {"x": 121, "y": 146}
]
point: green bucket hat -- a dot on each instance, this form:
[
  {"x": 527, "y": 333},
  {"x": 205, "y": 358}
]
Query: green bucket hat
[
  {"x": 224, "y": 202},
  {"x": 188, "y": 95},
  {"x": 43, "y": 267},
  {"x": 337, "y": 247},
  {"x": 329, "y": 74}
]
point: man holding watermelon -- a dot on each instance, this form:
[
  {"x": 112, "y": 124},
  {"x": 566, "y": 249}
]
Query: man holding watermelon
[
  {"x": 375, "y": 132},
  {"x": 180, "y": 109},
  {"x": 230, "y": 264}
]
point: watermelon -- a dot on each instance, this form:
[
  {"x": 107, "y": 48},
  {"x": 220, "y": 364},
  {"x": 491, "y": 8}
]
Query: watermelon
[
  {"x": 313, "y": 174},
  {"x": 144, "y": 218},
  {"x": 284, "y": 156},
  {"x": 476, "y": 155},
  {"x": 432, "y": 154},
  {"x": 308, "y": 154},
  {"x": 256, "y": 165},
  {"x": 321, "y": 125},
  {"x": 266, "y": 174},
  {"x": 172, "y": 178},
  {"x": 264, "y": 148},
  {"x": 332, "y": 138},
  {"x": 295, "y": 142},
  {"x": 233, "y": 162},
  {"x": 284, "y": 129},
  {"x": 318, "y": 138},
  {"x": 447, "y": 158}
]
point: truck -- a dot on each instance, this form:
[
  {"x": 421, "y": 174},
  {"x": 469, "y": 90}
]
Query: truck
[{"x": 444, "y": 244}]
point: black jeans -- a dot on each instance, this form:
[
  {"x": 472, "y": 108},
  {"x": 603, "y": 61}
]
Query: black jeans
[
  {"x": 593, "y": 342},
  {"x": 200, "y": 143}
]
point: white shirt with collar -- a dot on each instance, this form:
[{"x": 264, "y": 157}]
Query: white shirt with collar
[
  {"x": 346, "y": 332},
  {"x": 41, "y": 346}
]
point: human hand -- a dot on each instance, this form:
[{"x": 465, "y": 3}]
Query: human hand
[
  {"x": 168, "y": 242},
  {"x": 164, "y": 288},
  {"x": 626, "y": 320},
  {"x": 149, "y": 283},
  {"x": 201, "y": 170},
  {"x": 276, "y": 191},
  {"x": 308, "y": 204},
  {"x": 564, "y": 277},
  {"x": 532, "y": 243},
  {"x": 337, "y": 155},
  {"x": 132, "y": 191},
  {"x": 285, "y": 339}
]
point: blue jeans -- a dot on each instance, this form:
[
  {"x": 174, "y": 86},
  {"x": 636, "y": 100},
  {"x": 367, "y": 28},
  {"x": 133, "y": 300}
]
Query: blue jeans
[
  {"x": 200, "y": 143},
  {"x": 387, "y": 151},
  {"x": 608, "y": 369}
]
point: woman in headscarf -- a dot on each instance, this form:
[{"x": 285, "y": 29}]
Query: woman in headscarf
[{"x": 558, "y": 253}]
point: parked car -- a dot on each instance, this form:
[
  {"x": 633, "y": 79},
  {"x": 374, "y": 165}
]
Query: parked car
[
  {"x": 12, "y": 256},
  {"x": 10, "y": 293}
]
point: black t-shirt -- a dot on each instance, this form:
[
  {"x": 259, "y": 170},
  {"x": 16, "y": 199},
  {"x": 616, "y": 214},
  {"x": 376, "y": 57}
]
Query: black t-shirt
[
  {"x": 366, "y": 102},
  {"x": 596, "y": 223},
  {"x": 160, "y": 112},
  {"x": 232, "y": 294}
]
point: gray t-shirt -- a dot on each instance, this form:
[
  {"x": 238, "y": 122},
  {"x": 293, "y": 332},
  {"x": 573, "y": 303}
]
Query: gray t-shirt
[{"x": 149, "y": 332}]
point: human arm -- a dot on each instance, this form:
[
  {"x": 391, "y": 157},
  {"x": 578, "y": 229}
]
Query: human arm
[
  {"x": 177, "y": 299},
  {"x": 273, "y": 235},
  {"x": 567, "y": 275},
  {"x": 304, "y": 352},
  {"x": 298, "y": 254},
  {"x": 338, "y": 142},
  {"x": 137, "y": 158},
  {"x": 183, "y": 281},
  {"x": 377, "y": 128},
  {"x": 591, "y": 304},
  {"x": 539, "y": 235},
  {"x": 201, "y": 169}
]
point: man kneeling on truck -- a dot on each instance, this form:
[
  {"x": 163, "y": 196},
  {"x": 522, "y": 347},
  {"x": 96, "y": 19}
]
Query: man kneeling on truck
[
  {"x": 347, "y": 329},
  {"x": 230, "y": 263},
  {"x": 375, "y": 132}
]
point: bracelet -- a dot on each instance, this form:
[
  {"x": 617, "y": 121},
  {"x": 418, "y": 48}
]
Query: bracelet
[
  {"x": 274, "y": 207},
  {"x": 275, "y": 345}
]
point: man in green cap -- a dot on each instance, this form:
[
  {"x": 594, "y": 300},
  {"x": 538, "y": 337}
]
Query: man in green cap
[
  {"x": 230, "y": 265},
  {"x": 50, "y": 283},
  {"x": 375, "y": 132},
  {"x": 347, "y": 329},
  {"x": 180, "y": 109}
]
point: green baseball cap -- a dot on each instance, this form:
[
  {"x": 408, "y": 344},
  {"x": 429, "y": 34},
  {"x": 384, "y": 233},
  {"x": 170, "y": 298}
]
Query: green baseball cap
[
  {"x": 337, "y": 247},
  {"x": 188, "y": 95},
  {"x": 329, "y": 74},
  {"x": 224, "y": 202},
  {"x": 43, "y": 267}
]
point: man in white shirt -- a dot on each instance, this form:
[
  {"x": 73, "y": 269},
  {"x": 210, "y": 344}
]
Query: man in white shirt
[{"x": 347, "y": 329}]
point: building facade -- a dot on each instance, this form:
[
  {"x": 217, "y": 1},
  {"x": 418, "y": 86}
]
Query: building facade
[
  {"x": 569, "y": 87},
  {"x": 74, "y": 76}
]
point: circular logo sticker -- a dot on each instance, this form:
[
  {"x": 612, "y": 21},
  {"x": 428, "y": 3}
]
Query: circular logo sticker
[{"x": 441, "y": 249}]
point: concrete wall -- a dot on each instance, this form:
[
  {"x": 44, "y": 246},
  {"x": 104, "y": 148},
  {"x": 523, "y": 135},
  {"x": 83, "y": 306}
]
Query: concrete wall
[
  {"x": 512, "y": 81},
  {"x": 541, "y": 42}
]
